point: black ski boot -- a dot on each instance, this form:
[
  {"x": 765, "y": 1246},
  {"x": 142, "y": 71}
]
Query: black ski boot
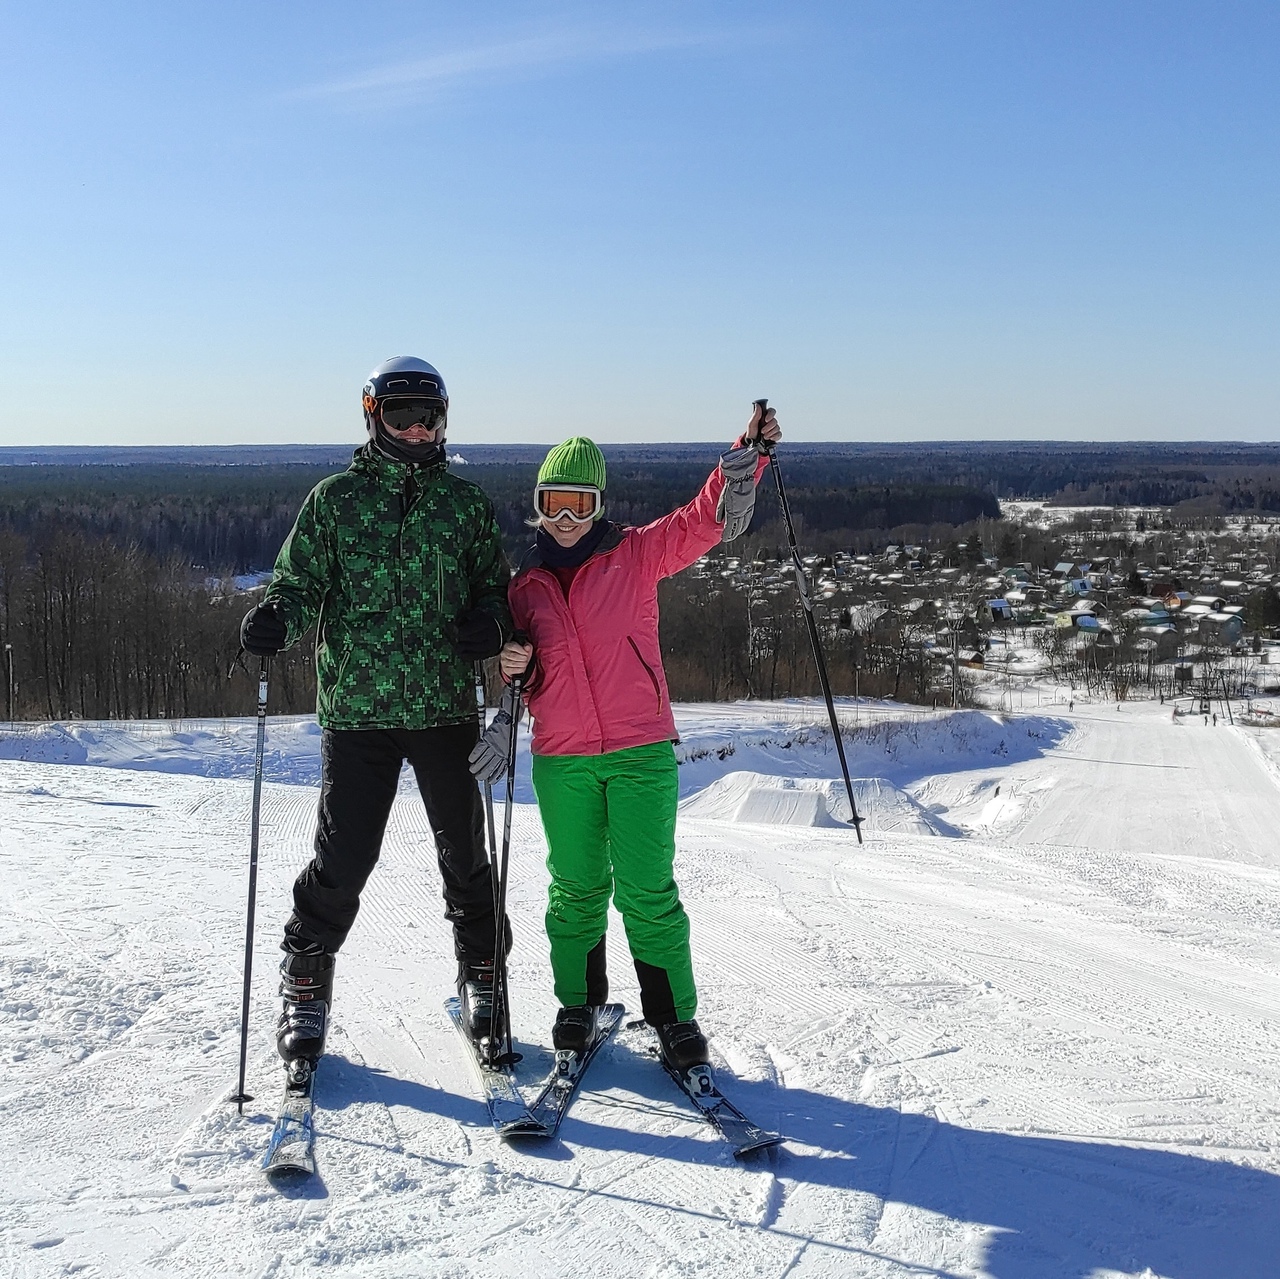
[
  {"x": 475, "y": 993},
  {"x": 683, "y": 1046},
  {"x": 306, "y": 983},
  {"x": 574, "y": 1030}
]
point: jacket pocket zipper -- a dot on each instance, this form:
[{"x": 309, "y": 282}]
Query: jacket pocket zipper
[{"x": 653, "y": 679}]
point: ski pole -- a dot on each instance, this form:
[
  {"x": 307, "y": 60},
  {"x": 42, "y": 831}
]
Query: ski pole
[
  {"x": 492, "y": 848},
  {"x": 241, "y": 1096},
  {"x": 500, "y": 923},
  {"x": 802, "y": 585}
]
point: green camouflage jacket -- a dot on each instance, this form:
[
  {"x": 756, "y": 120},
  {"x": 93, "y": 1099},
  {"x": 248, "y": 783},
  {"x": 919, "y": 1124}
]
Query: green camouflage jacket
[{"x": 386, "y": 557}]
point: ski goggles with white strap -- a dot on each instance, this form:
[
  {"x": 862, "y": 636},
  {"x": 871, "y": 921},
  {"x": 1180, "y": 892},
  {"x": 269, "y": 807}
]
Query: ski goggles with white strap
[{"x": 580, "y": 502}]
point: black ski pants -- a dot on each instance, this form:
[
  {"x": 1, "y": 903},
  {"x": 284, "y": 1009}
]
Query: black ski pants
[{"x": 360, "y": 771}]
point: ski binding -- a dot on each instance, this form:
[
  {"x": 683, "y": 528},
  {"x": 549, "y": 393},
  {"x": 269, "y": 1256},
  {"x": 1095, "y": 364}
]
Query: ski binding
[
  {"x": 291, "y": 1149},
  {"x": 561, "y": 1086},
  {"x": 743, "y": 1135},
  {"x": 507, "y": 1109}
]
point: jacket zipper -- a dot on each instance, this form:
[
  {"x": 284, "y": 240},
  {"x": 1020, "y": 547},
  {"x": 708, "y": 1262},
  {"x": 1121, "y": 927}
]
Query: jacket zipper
[
  {"x": 653, "y": 679},
  {"x": 439, "y": 582},
  {"x": 406, "y": 504}
]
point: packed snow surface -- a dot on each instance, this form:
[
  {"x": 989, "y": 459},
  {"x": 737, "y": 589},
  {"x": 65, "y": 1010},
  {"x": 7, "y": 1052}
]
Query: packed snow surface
[{"x": 1027, "y": 1030}]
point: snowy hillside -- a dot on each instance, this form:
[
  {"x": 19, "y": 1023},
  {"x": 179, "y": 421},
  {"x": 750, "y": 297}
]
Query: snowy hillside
[{"x": 1027, "y": 1031}]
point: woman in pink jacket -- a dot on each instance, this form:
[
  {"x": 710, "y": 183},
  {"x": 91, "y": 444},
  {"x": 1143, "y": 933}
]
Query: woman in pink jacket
[{"x": 604, "y": 769}]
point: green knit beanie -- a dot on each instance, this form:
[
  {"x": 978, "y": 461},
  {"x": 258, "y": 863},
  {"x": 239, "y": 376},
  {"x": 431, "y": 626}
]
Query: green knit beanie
[{"x": 576, "y": 461}]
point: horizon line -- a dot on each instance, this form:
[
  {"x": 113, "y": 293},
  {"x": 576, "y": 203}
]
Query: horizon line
[{"x": 1001, "y": 441}]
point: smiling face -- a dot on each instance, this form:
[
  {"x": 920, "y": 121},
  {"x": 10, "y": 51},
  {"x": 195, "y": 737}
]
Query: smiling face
[
  {"x": 566, "y": 532},
  {"x": 415, "y": 433},
  {"x": 409, "y": 420}
]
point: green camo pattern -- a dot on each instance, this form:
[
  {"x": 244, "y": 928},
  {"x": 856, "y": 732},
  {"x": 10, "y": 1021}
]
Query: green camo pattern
[{"x": 386, "y": 557}]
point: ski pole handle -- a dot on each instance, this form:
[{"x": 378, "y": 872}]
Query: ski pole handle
[
  {"x": 765, "y": 446},
  {"x": 522, "y": 637}
]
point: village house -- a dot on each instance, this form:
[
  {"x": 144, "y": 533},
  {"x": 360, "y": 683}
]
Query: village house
[{"x": 1222, "y": 630}]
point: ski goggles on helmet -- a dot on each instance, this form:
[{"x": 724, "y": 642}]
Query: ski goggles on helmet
[
  {"x": 580, "y": 502},
  {"x": 400, "y": 412}
]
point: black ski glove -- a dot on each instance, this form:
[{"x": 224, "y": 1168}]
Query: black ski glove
[
  {"x": 488, "y": 760},
  {"x": 478, "y": 635},
  {"x": 263, "y": 631}
]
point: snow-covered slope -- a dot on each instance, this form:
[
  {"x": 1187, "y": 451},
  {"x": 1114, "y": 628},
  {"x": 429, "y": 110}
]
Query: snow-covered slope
[
  {"x": 1026, "y": 1031},
  {"x": 761, "y": 798}
]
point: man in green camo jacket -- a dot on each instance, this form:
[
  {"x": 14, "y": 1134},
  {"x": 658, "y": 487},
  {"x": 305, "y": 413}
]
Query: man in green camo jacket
[{"x": 400, "y": 564}]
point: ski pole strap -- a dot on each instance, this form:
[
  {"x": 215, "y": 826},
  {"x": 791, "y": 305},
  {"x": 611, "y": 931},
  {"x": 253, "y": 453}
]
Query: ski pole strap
[{"x": 238, "y": 660}]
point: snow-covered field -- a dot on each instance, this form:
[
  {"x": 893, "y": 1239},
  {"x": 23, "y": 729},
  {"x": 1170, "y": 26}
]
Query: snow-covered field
[{"x": 1026, "y": 1031}]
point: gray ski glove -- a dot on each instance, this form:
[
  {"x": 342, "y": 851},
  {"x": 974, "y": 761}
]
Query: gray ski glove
[
  {"x": 488, "y": 761},
  {"x": 738, "y": 498}
]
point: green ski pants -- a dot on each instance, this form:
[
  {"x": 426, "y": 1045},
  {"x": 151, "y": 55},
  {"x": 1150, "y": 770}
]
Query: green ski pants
[{"x": 611, "y": 831}]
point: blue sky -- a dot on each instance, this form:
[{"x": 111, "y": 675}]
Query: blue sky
[{"x": 925, "y": 219}]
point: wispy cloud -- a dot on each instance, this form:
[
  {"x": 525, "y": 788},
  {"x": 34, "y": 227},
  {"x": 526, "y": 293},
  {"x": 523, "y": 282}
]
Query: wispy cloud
[{"x": 442, "y": 71}]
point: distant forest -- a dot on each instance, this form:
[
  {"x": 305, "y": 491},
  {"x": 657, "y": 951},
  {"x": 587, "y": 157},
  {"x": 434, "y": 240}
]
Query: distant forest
[
  {"x": 233, "y": 519},
  {"x": 115, "y": 565},
  {"x": 226, "y": 512}
]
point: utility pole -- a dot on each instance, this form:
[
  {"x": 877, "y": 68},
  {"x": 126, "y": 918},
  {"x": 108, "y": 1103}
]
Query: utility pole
[
  {"x": 8, "y": 662},
  {"x": 955, "y": 664}
]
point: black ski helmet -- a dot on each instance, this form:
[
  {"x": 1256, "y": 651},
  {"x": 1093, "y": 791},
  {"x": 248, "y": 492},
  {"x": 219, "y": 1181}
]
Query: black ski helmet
[{"x": 408, "y": 377}]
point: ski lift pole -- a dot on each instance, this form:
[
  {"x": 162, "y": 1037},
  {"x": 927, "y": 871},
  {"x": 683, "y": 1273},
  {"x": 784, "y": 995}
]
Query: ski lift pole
[
  {"x": 802, "y": 585},
  {"x": 241, "y": 1096}
]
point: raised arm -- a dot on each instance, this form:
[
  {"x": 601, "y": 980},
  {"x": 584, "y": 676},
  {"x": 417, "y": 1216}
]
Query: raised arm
[{"x": 675, "y": 541}]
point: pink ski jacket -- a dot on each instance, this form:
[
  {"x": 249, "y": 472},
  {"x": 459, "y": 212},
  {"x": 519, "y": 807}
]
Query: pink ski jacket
[{"x": 599, "y": 685}]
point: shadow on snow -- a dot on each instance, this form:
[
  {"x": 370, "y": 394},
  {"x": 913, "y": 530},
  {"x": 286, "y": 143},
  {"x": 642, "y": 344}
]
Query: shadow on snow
[{"x": 1056, "y": 1208}]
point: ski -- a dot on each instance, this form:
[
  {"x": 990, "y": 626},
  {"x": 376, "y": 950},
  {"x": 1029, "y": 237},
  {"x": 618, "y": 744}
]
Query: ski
[
  {"x": 507, "y": 1109},
  {"x": 561, "y": 1086},
  {"x": 744, "y": 1136},
  {"x": 291, "y": 1149}
]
